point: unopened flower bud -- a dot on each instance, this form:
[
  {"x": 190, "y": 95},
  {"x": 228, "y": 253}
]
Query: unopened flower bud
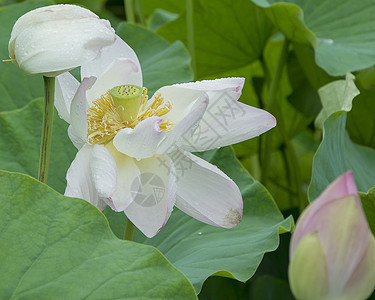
[
  {"x": 332, "y": 250},
  {"x": 53, "y": 39}
]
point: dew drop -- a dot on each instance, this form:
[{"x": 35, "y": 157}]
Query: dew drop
[
  {"x": 199, "y": 232},
  {"x": 328, "y": 41}
]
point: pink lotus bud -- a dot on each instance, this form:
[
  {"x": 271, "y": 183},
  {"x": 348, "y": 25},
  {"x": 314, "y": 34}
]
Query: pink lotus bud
[{"x": 332, "y": 250}]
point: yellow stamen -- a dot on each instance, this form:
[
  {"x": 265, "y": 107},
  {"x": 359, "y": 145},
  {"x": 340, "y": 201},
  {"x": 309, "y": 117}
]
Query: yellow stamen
[
  {"x": 6, "y": 60},
  {"x": 104, "y": 120},
  {"x": 154, "y": 109}
]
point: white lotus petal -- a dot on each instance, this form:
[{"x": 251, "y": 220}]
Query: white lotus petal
[
  {"x": 185, "y": 128},
  {"x": 65, "y": 88},
  {"x": 79, "y": 183},
  {"x": 120, "y": 71},
  {"x": 226, "y": 120},
  {"x": 182, "y": 100},
  {"x": 142, "y": 141},
  {"x": 50, "y": 13},
  {"x": 77, "y": 140},
  {"x": 206, "y": 193},
  {"x": 154, "y": 201},
  {"x": 215, "y": 85},
  {"x": 119, "y": 49},
  {"x": 45, "y": 14},
  {"x": 54, "y": 46},
  {"x": 78, "y": 109},
  {"x": 103, "y": 171},
  {"x": 127, "y": 185},
  {"x": 238, "y": 123}
]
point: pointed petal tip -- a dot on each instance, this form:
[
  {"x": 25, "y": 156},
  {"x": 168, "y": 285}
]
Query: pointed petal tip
[
  {"x": 169, "y": 212},
  {"x": 272, "y": 121},
  {"x": 157, "y": 123},
  {"x": 232, "y": 218},
  {"x": 346, "y": 183},
  {"x": 241, "y": 82},
  {"x": 88, "y": 82},
  {"x": 205, "y": 99},
  {"x": 151, "y": 234},
  {"x": 348, "y": 177},
  {"x": 267, "y": 123}
]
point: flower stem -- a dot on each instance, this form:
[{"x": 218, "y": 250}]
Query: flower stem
[
  {"x": 129, "y": 11},
  {"x": 190, "y": 33},
  {"x": 274, "y": 87},
  {"x": 292, "y": 164},
  {"x": 291, "y": 158},
  {"x": 129, "y": 230},
  {"x": 45, "y": 148},
  {"x": 141, "y": 12}
]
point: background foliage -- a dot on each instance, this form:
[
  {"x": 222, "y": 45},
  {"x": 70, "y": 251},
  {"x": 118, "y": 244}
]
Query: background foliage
[{"x": 51, "y": 245}]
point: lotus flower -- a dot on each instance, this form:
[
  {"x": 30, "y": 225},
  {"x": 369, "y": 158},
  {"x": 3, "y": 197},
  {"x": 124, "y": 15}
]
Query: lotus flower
[
  {"x": 332, "y": 250},
  {"x": 134, "y": 153},
  {"x": 54, "y": 39}
]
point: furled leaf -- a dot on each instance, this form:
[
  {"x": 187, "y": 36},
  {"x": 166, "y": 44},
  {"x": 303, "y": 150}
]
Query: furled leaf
[
  {"x": 55, "y": 247},
  {"x": 336, "y": 96},
  {"x": 338, "y": 154}
]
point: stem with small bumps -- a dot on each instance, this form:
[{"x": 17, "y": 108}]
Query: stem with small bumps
[{"x": 46, "y": 142}]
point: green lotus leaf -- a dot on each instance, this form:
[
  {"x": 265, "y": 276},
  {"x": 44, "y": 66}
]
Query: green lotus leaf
[
  {"x": 341, "y": 32},
  {"x": 55, "y": 247}
]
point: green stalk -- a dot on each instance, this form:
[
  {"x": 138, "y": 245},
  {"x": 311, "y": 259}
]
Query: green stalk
[
  {"x": 292, "y": 162},
  {"x": 274, "y": 87},
  {"x": 45, "y": 148},
  {"x": 291, "y": 156},
  {"x": 129, "y": 11},
  {"x": 190, "y": 33},
  {"x": 129, "y": 230},
  {"x": 141, "y": 12}
]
